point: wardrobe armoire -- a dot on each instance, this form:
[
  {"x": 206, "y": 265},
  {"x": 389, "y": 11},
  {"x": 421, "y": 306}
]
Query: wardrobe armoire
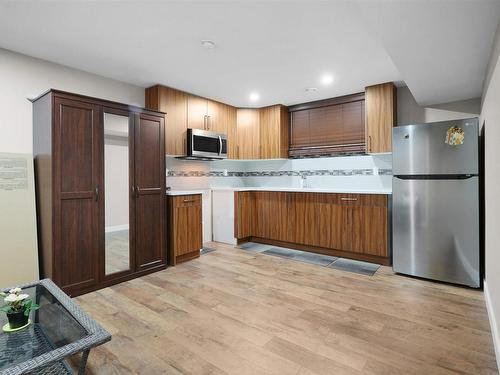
[{"x": 100, "y": 190}]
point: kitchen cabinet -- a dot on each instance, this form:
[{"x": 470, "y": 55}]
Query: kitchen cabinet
[
  {"x": 248, "y": 133},
  {"x": 262, "y": 133},
  {"x": 185, "y": 227},
  {"x": 190, "y": 111},
  {"x": 71, "y": 135},
  {"x": 175, "y": 104},
  {"x": 197, "y": 112},
  {"x": 380, "y": 101},
  {"x": 328, "y": 127},
  {"x": 349, "y": 225},
  {"x": 274, "y": 130}
]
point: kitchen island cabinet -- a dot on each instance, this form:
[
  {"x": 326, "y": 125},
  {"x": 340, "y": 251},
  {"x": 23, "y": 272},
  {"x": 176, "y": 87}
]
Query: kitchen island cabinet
[{"x": 348, "y": 225}]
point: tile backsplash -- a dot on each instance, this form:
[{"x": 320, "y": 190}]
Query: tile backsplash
[{"x": 369, "y": 171}]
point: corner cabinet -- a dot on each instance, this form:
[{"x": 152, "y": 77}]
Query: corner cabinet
[
  {"x": 262, "y": 133},
  {"x": 100, "y": 190},
  {"x": 381, "y": 110}
]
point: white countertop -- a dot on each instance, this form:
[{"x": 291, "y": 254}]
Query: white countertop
[
  {"x": 307, "y": 190},
  {"x": 186, "y": 192}
]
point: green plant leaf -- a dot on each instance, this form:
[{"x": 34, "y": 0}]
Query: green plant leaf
[{"x": 5, "y": 309}]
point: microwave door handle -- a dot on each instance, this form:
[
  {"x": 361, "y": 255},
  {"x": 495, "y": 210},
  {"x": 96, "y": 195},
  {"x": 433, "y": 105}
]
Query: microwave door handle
[{"x": 220, "y": 145}]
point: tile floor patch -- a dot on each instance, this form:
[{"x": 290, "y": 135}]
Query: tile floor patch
[
  {"x": 356, "y": 266},
  {"x": 252, "y": 246},
  {"x": 302, "y": 256},
  {"x": 206, "y": 250}
]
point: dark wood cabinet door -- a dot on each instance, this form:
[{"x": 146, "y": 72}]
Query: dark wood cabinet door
[
  {"x": 77, "y": 189},
  {"x": 149, "y": 171}
]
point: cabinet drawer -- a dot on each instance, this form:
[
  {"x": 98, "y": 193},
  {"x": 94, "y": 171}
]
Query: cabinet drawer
[
  {"x": 186, "y": 200},
  {"x": 371, "y": 200}
]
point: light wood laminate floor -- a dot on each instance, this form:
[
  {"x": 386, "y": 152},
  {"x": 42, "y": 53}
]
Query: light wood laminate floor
[{"x": 238, "y": 312}]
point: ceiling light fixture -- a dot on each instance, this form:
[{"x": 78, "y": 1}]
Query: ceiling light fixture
[
  {"x": 254, "y": 96},
  {"x": 326, "y": 79},
  {"x": 209, "y": 44}
]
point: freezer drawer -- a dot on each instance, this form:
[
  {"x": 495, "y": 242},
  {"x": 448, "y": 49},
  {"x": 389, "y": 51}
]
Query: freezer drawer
[
  {"x": 421, "y": 149},
  {"x": 436, "y": 229}
]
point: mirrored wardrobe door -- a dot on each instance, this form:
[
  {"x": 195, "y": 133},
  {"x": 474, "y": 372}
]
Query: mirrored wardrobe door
[{"x": 118, "y": 226}]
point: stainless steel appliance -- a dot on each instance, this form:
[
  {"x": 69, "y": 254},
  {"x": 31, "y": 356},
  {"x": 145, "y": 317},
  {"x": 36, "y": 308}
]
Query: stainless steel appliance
[
  {"x": 205, "y": 145},
  {"x": 436, "y": 201}
]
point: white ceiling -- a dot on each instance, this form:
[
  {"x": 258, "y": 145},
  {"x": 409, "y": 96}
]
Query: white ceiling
[{"x": 276, "y": 48}]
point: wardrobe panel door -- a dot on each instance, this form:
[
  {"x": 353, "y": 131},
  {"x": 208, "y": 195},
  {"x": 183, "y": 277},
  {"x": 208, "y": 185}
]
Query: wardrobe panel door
[
  {"x": 150, "y": 191},
  {"x": 77, "y": 192}
]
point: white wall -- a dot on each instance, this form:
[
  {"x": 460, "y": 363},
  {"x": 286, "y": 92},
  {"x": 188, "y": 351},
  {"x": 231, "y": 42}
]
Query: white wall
[
  {"x": 490, "y": 117},
  {"x": 410, "y": 112},
  {"x": 116, "y": 185},
  {"x": 23, "y": 77}
]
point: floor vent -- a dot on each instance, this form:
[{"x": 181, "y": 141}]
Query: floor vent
[{"x": 206, "y": 250}]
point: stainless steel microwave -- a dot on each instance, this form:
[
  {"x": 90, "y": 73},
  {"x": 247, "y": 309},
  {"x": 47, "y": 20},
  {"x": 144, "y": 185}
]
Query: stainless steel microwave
[{"x": 202, "y": 144}]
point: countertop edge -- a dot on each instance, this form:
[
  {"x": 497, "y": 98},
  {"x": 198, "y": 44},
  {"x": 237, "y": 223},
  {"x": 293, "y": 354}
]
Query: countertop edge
[{"x": 278, "y": 189}]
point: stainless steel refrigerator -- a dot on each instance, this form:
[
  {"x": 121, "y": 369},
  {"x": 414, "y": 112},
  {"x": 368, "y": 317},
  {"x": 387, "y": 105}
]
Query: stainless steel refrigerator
[{"x": 435, "y": 217}]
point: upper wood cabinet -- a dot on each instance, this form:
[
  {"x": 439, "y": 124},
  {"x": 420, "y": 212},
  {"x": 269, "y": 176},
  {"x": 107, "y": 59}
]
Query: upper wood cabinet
[
  {"x": 175, "y": 104},
  {"x": 197, "y": 112},
  {"x": 380, "y": 102},
  {"x": 190, "y": 111},
  {"x": 262, "y": 133},
  {"x": 325, "y": 127},
  {"x": 274, "y": 130},
  {"x": 248, "y": 133}
]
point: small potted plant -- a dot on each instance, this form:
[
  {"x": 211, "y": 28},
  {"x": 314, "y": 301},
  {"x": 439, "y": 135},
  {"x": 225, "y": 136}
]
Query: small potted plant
[{"x": 17, "y": 307}]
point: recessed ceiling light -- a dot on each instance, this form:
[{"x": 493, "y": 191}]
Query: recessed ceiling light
[
  {"x": 326, "y": 79},
  {"x": 311, "y": 89},
  {"x": 209, "y": 44},
  {"x": 254, "y": 96}
]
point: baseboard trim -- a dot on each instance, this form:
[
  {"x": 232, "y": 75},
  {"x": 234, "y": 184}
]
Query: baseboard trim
[
  {"x": 493, "y": 323},
  {"x": 116, "y": 228}
]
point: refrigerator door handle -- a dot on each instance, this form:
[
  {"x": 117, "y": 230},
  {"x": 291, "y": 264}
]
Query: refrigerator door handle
[{"x": 435, "y": 176}]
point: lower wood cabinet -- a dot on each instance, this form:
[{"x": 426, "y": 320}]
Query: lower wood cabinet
[
  {"x": 185, "y": 226},
  {"x": 349, "y": 225}
]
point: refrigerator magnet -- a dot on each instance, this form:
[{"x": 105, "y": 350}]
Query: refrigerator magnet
[{"x": 455, "y": 136}]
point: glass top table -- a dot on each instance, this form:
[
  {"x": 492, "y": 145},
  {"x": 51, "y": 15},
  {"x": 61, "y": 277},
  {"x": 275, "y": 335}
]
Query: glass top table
[{"x": 59, "y": 329}]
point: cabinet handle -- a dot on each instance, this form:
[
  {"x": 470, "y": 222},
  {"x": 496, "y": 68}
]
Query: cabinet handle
[
  {"x": 348, "y": 199},
  {"x": 369, "y": 143},
  {"x": 96, "y": 191},
  {"x": 188, "y": 200},
  {"x": 208, "y": 122}
]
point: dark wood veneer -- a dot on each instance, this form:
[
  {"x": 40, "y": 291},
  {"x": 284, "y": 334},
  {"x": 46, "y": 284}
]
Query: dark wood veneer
[{"x": 68, "y": 143}]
